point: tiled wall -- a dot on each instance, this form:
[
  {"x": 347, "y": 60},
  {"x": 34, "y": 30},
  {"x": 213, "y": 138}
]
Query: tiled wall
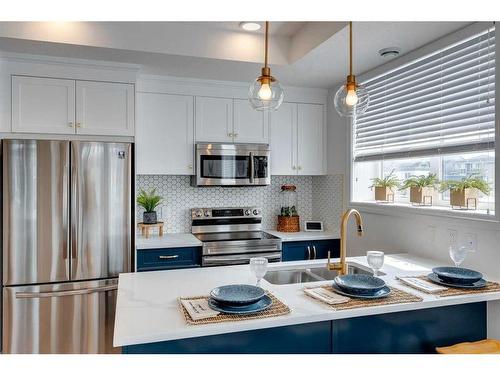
[{"x": 180, "y": 197}]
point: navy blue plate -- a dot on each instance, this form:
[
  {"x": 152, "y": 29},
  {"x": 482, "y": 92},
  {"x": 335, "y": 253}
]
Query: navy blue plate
[
  {"x": 359, "y": 284},
  {"x": 457, "y": 275},
  {"x": 264, "y": 303},
  {"x": 237, "y": 294},
  {"x": 477, "y": 285},
  {"x": 381, "y": 293}
]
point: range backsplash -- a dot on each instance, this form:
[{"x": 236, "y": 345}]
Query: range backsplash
[{"x": 319, "y": 198}]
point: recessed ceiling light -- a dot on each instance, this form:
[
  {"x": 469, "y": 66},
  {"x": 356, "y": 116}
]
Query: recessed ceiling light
[
  {"x": 250, "y": 26},
  {"x": 389, "y": 52}
]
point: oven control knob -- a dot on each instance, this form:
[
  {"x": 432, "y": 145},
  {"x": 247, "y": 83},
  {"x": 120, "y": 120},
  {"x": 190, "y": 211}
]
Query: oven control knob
[
  {"x": 207, "y": 213},
  {"x": 247, "y": 212},
  {"x": 256, "y": 212},
  {"x": 199, "y": 213}
]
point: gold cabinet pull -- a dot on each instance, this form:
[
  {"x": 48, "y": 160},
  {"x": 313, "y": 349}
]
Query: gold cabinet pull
[{"x": 168, "y": 256}]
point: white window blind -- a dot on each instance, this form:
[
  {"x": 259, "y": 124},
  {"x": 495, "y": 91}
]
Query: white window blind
[{"x": 440, "y": 104}]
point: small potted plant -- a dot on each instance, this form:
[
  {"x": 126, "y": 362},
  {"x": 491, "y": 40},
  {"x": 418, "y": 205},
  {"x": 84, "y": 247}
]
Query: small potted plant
[
  {"x": 149, "y": 200},
  {"x": 422, "y": 188},
  {"x": 384, "y": 187},
  {"x": 464, "y": 193}
]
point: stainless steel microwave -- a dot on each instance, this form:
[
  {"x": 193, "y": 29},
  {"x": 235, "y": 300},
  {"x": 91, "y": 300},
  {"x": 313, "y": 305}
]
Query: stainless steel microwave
[{"x": 222, "y": 164}]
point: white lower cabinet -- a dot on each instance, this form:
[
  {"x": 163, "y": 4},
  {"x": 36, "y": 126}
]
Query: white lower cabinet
[
  {"x": 297, "y": 139},
  {"x": 164, "y": 134}
]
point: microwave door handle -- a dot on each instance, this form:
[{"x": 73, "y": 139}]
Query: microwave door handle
[{"x": 252, "y": 168}]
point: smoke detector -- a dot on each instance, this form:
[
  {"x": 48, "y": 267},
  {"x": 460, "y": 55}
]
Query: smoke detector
[{"x": 389, "y": 52}]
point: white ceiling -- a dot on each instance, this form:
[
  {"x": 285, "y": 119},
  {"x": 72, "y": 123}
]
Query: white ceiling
[{"x": 311, "y": 54}]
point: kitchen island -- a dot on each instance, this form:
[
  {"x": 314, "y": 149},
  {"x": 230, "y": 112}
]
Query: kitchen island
[{"x": 148, "y": 319}]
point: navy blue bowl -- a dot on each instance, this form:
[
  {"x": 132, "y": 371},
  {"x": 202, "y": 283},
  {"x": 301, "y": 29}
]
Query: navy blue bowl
[
  {"x": 359, "y": 284},
  {"x": 457, "y": 275},
  {"x": 237, "y": 294}
]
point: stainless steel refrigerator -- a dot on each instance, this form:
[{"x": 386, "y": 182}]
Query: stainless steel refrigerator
[{"x": 66, "y": 235}]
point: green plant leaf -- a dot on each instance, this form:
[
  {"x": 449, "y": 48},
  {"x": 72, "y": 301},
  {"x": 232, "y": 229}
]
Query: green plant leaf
[{"x": 149, "y": 200}]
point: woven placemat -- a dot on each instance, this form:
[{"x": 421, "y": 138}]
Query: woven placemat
[
  {"x": 277, "y": 308},
  {"x": 451, "y": 291},
  {"x": 396, "y": 296}
]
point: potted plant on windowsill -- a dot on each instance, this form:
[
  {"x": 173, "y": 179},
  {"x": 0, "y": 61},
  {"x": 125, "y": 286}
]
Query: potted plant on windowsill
[
  {"x": 422, "y": 188},
  {"x": 149, "y": 200},
  {"x": 464, "y": 193},
  {"x": 384, "y": 187}
]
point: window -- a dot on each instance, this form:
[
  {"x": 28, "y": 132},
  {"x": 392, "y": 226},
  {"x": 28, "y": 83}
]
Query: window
[{"x": 432, "y": 115}]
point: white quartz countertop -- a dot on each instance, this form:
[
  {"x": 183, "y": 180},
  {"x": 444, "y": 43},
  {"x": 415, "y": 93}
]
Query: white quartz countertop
[
  {"x": 304, "y": 236},
  {"x": 148, "y": 310},
  {"x": 168, "y": 240}
]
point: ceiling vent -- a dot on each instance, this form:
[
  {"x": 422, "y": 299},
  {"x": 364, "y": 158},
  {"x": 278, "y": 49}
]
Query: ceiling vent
[{"x": 389, "y": 52}]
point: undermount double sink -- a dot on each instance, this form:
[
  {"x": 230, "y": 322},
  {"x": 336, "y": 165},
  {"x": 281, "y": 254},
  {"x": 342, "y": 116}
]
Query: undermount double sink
[{"x": 309, "y": 274}]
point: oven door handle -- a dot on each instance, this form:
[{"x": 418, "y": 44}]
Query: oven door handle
[
  {"x": 252, "y": 168},
  {"x": 225, "y": 260}
]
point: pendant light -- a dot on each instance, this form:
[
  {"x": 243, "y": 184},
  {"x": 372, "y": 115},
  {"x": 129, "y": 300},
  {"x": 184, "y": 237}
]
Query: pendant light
[
  {"x": 351, "y": 99},
  {"x": 265, "y": 93}
]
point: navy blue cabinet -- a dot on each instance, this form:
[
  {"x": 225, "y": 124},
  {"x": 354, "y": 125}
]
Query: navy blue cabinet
[
  {"x": 168, "y": 259},
  {"x": 305, "y": 250},
  {"x": 419, "y": 331}
]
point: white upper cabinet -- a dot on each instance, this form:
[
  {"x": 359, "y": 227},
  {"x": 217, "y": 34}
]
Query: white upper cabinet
[
  {"x": 297, "y": 134},
  {"x": 310, "y": 139},
  {"x": 43, "y": 105},
  {"x": 104, "y": 108},
  {"x": 164, "y": 134},
  {"x": 250, "y": 126},
  {"x": 64, "y": 106},
  {"x": 283, "y": 134},
  {"x": 214, "y": 119}
]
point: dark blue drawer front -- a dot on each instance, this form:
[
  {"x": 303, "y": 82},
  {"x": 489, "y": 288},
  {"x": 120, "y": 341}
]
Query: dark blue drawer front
[
  {"x": 317, "y": 250},
  {"x": 166, "y": 259}
]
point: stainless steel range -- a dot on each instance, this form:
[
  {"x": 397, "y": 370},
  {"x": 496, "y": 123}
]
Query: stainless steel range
[{"x": 233, "y": 235}]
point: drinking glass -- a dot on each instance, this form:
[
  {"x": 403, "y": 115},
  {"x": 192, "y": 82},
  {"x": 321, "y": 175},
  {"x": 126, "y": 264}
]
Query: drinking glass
[
  {"x": 458, "y": 254},
  {"x": 259, "y": 268},
  {"x": 375, "y": 260}
]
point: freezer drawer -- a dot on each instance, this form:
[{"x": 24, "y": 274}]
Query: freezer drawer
[
  {"x": 60, "y": 318},
  {"x": 100, "y": 209},
  {"x": 35, "y": 211}
]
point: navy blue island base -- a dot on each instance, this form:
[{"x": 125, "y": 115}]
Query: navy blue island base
[{"x": 415, "y": 331}]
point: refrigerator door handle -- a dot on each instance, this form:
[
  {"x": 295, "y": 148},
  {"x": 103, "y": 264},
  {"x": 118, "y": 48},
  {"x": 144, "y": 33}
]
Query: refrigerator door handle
[{"x": 74, "y": 292}]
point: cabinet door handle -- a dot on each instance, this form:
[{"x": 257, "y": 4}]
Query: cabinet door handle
[
  {"x": 299, "y": 167},
  {"x": 79, "y": 125},
  {"x": 308, "y": 252},
  {"x": 294, "y": 167},
  {"x": 235, "y": 134},
  {"x": 229, "y": 134},
  {"x": 314, "y": 252},
  {"x": 190, "y": 166},
  {"x": 168, "y": 257},
  {"x": 70, "y": 124}
]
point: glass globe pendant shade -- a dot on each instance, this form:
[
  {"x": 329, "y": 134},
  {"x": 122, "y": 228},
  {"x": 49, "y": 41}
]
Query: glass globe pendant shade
[
  {"x": 265, "y": 93},
  {"x": 351, "y": 99}
]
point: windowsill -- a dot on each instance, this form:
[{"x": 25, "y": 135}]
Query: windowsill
[{"x": 440, "y": 211}]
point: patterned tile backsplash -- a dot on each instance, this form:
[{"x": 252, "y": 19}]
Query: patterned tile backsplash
[{"x": 319, "y": 198}]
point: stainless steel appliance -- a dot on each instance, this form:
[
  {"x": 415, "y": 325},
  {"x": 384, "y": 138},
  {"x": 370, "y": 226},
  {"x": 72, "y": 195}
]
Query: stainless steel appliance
[
  {"x": 220, "y": 164},
  {"x": 233, "y": 235},
  {"x": 66, "y": 228}
]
